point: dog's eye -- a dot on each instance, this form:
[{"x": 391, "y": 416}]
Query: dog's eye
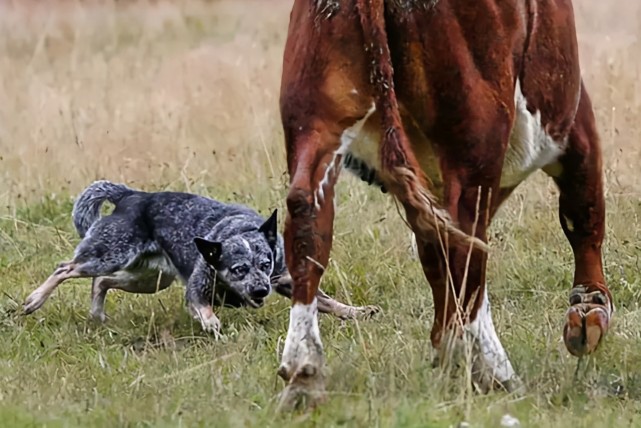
[
  {"x": 240, "y": 270},
  {"x": 265, "y": 266}
]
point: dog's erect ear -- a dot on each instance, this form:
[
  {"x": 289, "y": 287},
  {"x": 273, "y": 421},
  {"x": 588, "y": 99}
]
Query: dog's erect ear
[
  {"x": 211, "y": 251},
  {"x": 270, "y": 229}
]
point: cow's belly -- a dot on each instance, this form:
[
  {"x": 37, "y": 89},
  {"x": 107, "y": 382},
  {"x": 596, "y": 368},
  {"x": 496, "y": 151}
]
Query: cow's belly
[{"x": 530, "y": 148}]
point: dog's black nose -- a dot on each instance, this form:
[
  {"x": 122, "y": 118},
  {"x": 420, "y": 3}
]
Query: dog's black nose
[{"x": 260, "y": 292}]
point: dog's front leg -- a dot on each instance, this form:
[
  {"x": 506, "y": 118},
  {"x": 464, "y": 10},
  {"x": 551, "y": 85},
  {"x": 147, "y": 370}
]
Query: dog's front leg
[
  {"x": 208, "y": 319},
  {"x": 283, "y": 286},
  {"x": 199, "y": 286}
]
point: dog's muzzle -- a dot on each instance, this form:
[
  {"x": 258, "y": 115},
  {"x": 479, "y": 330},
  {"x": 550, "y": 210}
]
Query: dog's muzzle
[{"x": 257, "y": 296}]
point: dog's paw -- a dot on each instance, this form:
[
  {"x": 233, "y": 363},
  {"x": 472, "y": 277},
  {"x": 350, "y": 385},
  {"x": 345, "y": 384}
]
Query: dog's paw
[
  {"x": 366, "y": 312},
  {"x": 358, "y": 312},
  {"x": 211, "y": 325},
  {"x": 208, "y": 319},
  {"x": 34, "y": 302},
  {"x": 98, "y": 317}
]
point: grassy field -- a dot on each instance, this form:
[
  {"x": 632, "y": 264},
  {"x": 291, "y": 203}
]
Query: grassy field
[{"x": 185, "y": 97}]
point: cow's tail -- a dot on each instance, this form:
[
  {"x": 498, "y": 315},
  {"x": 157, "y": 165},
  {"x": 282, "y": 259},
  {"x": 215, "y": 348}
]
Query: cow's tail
[
  {"x": 86, "y": 209},
  {"x": 400, "y": 169}
]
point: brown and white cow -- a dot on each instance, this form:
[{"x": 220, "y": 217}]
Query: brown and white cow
[{"x": 448, "y": 105}]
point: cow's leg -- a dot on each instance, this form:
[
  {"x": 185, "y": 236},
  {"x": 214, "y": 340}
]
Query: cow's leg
[
  {"x": 308, "y": 240},
  {"x": 582, "y": 216},
  {"x": 463, "y": 326},
  {"x": 314, "y": 167}
]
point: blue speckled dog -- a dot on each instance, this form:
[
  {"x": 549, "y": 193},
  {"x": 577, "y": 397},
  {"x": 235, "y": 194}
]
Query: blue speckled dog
[{"x": 226, "y": 254}]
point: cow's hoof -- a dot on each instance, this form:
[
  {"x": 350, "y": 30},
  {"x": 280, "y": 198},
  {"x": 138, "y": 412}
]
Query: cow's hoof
[
  {"x": 304, "y": 391},
  {"x": 585, "y": 327},
  {"x": 587, "y": 321}
]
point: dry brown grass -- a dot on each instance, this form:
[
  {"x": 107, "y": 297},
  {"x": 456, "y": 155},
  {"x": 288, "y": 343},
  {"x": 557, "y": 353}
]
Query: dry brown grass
[
  {"x": 138, "y": 93},
  {"x": 187, "y": 91},
  {"x": 610, "y": 43}
]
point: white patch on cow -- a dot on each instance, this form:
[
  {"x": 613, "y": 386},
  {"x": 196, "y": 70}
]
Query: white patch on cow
[
  {"x": 530, "y": 147},
  {"x": 366, "y": 146},
  {"x": 303, "y": 343},
  {"x": 413, "y": 246},
  {"x": 347, "y": 137},
  {"x": 490, "y": 357}
]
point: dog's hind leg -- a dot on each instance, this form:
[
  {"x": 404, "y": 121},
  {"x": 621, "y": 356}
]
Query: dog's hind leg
[
  {"x": 326, "y": 304},
  {"x": 141, "y": 282},
  {"x": 40, "y": 295},
  {"x": 99, "y": 288},
  {"x": 94, "y": 257},
  {"x": 340, "y": 310}
]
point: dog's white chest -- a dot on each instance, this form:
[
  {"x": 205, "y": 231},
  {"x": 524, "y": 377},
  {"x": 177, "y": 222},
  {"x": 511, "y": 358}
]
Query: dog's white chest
[{"x": 530, "y": 148}]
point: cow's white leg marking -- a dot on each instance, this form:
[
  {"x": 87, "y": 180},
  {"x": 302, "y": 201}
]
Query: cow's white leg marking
[
  {"x": 347, "y": 137},
  {"x": 303, "y": 349},
  {"x": 481, "y": 347},
  {"x": 490, "y": 359},
  {"x": 302, "y": 361}
]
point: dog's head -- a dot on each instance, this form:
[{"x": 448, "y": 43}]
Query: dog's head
[{"x": 243, "y": 263}]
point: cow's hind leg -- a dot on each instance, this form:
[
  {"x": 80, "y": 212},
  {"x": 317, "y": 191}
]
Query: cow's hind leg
[
  {"x": 582, "y": 216},
  {"x": 463, "y": 330}
]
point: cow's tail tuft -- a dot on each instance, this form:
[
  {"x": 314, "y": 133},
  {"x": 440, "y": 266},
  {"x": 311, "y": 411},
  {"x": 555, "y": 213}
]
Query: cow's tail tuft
[{"x": 400, "y": 169}]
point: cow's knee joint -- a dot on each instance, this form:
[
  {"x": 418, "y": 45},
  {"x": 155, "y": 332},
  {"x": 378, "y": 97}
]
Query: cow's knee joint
[{"x": 299, "y": 201}]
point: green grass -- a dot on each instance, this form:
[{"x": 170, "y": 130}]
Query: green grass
[{"x": 150, "y": 365}]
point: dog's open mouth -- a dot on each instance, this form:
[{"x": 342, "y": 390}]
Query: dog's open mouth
[
  {"x": 233, "y": 299},
  {"x": 254, "y": 302}
]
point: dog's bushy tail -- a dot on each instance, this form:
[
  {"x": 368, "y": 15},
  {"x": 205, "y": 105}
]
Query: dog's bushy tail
[{"x": 86, "y": 209}]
